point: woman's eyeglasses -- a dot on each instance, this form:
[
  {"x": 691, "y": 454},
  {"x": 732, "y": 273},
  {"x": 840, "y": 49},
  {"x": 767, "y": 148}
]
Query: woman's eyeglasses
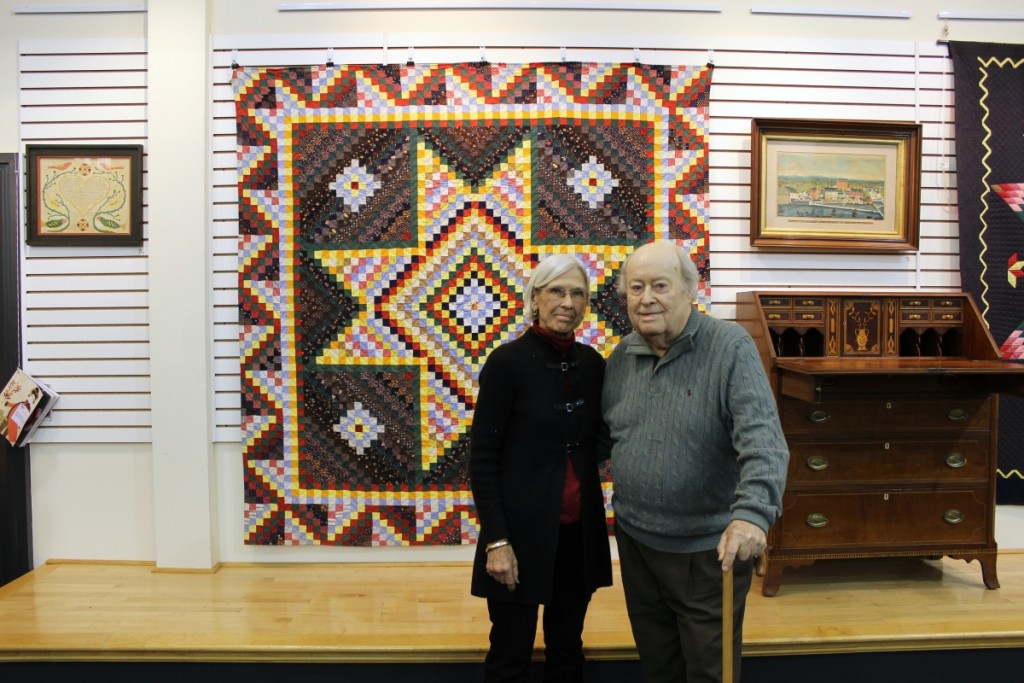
[{"x": 559, "y": 293}]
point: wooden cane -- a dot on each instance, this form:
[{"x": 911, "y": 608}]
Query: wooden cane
[{"x": 727, "y": 634}]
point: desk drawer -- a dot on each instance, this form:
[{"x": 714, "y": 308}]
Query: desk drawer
[
  {"x": 824, "y": 463},
  {"x": 880, "y": 518},
  {"x": 926, "y": 385},
  {"x": 886, "y": 418},
  {"x": 947, "y": 317}
]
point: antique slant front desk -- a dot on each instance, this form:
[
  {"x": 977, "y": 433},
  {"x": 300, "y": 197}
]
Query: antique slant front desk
[{"x": 889, "y": 405}]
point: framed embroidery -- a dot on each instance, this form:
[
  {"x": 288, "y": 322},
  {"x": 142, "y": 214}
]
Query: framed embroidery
[{"x": 84, "y": 195}]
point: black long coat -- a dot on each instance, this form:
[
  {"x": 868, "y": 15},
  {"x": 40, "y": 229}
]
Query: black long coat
[{"x": 537, "y": 407}]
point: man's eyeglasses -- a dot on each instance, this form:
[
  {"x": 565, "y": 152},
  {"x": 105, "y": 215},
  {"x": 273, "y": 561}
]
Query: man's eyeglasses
[{"x": 558, "y": 294}]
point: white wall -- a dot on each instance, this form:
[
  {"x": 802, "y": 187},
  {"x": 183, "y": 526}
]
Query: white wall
[
  {"x": 736, "y": 20},
  {"x": 102, "y": 501}
]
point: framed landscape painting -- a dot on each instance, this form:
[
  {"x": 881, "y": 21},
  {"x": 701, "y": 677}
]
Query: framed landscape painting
[{"x": 834, "y": 186}]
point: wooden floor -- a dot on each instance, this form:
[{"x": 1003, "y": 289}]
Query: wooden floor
[{"x": 423, "y": 613}]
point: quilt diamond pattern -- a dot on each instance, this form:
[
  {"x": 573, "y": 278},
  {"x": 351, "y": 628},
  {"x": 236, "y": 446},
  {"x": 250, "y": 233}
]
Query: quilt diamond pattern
[{"x": 389, "y": 218}]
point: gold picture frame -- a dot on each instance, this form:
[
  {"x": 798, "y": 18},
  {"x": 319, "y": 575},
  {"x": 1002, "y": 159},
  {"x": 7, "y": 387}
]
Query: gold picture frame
[
  {"x": 84, "y": 195},
  {"x": 834, "y": 186}
]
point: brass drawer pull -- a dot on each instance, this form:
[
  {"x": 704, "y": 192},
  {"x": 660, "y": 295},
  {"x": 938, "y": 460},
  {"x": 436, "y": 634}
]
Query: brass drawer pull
[
  {"x": 957, "y": 415},
  {"x": 819, "y": 417},
  {"x": 914, "y": 316},
  {"x": 774, "y": 316},
  {"x": 816, "y": 520},
  {"x": 817, "y": 463},
  {"x": 954, "y": 516},
  {"x": 948, "y": 316},
  {"x": 956, "y": 460},
  {"x": 808, "y": 316}
]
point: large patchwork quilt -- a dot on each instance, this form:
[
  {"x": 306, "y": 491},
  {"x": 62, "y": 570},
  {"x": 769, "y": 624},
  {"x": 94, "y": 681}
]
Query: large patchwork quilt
[
  {"x": 389, "y": 218},
  {"x": 989, "y": 95}
]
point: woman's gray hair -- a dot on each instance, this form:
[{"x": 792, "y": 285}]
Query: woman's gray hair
[
  {"x": 551, "y": 268},
  {"x": 691, "y": 278}
]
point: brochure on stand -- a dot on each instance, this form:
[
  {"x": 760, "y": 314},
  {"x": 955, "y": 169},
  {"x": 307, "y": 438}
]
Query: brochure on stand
[{"x": 24, "y": 403}]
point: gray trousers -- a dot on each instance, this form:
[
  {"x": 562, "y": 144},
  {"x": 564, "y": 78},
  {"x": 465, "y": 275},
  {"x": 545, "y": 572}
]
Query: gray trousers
[{"x": 674, "y": 602}]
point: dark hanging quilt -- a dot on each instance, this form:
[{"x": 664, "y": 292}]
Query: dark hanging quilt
[
  {"x": 989, "y": 93},
  {"x": 389, "y": 218}
]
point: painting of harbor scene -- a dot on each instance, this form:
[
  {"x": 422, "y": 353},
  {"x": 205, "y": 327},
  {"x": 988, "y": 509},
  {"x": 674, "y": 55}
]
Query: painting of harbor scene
[
  {"x": 832, "y": 185},
  {"x": 844, "y": 186}
]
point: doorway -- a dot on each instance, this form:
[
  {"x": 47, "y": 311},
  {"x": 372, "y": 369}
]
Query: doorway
[{"x": 15, "y": 483}]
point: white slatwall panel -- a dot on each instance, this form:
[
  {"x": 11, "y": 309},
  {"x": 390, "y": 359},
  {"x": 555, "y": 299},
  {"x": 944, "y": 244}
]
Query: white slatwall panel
[{"x": 85, "y": 318}]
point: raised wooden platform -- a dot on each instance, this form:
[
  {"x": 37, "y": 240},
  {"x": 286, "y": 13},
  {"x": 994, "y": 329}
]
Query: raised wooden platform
[{"x": 359, "y": 613}]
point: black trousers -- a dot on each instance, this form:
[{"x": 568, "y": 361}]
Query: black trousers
[
  {"x": 674, "y": 601},
  {"x": 514, "y": 624}
]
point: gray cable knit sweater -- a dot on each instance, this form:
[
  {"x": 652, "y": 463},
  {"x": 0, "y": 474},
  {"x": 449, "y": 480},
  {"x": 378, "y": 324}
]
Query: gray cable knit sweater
[{"x": 695, "y": 437}]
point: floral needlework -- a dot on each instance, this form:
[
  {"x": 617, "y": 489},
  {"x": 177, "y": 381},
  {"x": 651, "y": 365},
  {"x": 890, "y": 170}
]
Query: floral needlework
[
  {"x": 389, "y": 219},
  {"x": 81, "y": 196}
]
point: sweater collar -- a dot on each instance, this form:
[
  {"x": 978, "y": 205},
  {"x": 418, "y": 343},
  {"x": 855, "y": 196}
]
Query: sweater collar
[
  {"x": 684, "y": 343},
  {"x": 558, "y": 342}
]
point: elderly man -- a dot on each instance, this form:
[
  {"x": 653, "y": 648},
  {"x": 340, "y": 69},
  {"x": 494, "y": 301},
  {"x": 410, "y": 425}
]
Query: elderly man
[{"x": 698, "y": 463}]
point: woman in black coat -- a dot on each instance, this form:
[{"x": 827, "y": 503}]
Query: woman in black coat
[{"x": 534, "y": 475}]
